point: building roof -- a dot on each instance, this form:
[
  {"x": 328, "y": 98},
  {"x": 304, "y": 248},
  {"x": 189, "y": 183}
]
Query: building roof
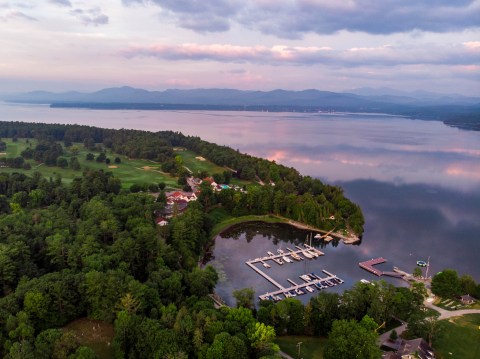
[
  {"x": 416, "y": 346},
  {"x": 467, "y": 298},
  {"x": 401, "y": 347}
]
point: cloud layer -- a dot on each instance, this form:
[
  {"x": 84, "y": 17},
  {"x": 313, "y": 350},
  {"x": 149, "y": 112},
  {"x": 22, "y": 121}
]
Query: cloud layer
[
  {"x": 293, "y": 19},
  {"x": 463, "y": 54},
  {"x": 248, "y": 44}
]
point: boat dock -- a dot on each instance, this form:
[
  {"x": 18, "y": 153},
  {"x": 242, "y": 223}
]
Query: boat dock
[
  {"x": 310, "y": 281},
  {"x": 264, "y": 275},
  {"x": 296, "y": 289},
  {"x": 368, "y": 265}
]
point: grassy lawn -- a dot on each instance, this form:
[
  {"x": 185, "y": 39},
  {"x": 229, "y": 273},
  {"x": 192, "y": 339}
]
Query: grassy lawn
[
  {"x": 455, "y": 304},
  {"x": 223, "y": 220},
  {"x": 459, "y": 338},
  {"x": 129, "y": 170},
  {"x": 195, "y": 164},
  {"x": 95, "y": 334},
  {"x": 311, "y": 347}
]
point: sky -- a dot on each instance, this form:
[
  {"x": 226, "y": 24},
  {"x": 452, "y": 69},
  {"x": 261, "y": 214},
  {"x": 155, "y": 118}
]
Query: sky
[{"x": 62, "y": 45}]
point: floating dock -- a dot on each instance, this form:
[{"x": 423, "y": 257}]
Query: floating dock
[
  {"x": 311, "y": 280},
  {"x": 368, "y": 265}
]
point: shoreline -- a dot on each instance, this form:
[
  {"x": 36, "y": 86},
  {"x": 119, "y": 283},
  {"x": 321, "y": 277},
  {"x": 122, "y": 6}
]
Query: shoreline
[{"x": 271, "y": 218}]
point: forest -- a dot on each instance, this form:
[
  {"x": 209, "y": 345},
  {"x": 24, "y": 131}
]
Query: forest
[
  {"x": 91, "y": 248},
  {"x": 298, "y": 197}
]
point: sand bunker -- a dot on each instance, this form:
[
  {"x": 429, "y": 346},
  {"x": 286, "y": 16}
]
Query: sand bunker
[
  {"x": 112, "y": 166},
  {"x": 200, "y": 158},
  {"x": 3, "y": 153},
  {"x": 147, "y": 168}
]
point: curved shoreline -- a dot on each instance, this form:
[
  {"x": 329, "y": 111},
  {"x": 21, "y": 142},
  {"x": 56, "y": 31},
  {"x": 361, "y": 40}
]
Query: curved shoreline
[{"x": 271, "y": 218}]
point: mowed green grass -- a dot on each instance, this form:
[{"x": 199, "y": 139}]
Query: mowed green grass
[
  {"x": 194, "y": 164},
  {"x": 95, "y": 334},
  {"x": 130, "y": 171},
  {"x": 459, "y": 338},
  {"x": 311, "y": 347}
]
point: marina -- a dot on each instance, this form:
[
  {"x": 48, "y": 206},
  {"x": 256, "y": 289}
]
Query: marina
[{"x": 310, "y": 280}]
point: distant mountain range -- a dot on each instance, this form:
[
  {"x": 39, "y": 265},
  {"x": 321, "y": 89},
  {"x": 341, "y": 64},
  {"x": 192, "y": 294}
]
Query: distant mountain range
[
  {"x": 356, "y": 97},
  {"x": 419, "y": 104}
]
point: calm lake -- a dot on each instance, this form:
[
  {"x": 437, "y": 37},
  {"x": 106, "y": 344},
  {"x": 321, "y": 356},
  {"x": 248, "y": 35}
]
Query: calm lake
[{"x": 418, "y": 183}]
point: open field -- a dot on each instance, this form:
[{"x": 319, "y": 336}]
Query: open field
[
  {"x": 129, "y": 170},
  {"x": 311, "y": 347},
  {"x": 194, "y": 164},
  {"x": 95, "y": 334},
  {"x": 459, "y": 338}
]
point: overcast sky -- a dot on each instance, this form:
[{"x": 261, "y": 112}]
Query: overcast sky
[{"x": 335, "y": 45}]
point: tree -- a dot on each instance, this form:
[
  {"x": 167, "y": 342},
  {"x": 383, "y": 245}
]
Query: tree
[
  {"x": 261, "y": 338},
  {"x": 101, "y": 157},
  {"x": 393, "y": 335},
  {"x": 424, "y": 325},
  {"x": 467, "y": 284},
  {"x": 117, "y": 160},
  {"x": 74, "y": 164},
  {"x": 62, "y": 162},
  {"x": 417, "y": 272},
  {"x": 90, "y": 157},
  {"x": 446, "y": 284},
  {"x": 244, "y": 297},
  {"x": 351, "y": 339}
]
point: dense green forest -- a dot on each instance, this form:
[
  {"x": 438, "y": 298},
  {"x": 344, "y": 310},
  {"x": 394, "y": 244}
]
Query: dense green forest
[
  {"x": 298, "y": 197},
  {"x": 91, "y": 249}
]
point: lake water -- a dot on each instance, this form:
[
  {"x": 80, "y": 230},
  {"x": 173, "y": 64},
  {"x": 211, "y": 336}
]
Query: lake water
[{"x": 418, "y": 183}]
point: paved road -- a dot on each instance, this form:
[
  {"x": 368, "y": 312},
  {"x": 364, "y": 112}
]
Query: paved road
[
  {"x": 386, "y": 335},
  {"x": 445, "y": 314}
]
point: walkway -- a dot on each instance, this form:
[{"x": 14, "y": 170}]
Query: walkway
[
  {"x": 386, "y": 335},
  {"x": 445, "y": 314}
]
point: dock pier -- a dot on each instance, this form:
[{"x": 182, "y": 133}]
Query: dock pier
[
  {"x": 310, "y": 280},
  {"x": 368, "y": 265}
]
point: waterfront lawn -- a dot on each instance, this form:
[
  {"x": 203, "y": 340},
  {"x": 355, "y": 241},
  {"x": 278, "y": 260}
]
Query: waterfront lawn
[
  {"x": 223, "y": 220},
  {"x": 459, "y": 338},
  {"x": 311, "y": 347},
  {"x": 95, "y": 334}
]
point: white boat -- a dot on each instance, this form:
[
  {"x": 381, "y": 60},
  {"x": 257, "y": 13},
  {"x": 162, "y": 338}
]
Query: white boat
[
  {"x": 318, "y": 236},
  {"x": 270, "y": 253},
  {"x": 307, "y": 254},
  {"x": 280, "y": 251},
  {"x": 310, "y": 289},
  {"x": 298, "y": 291},
  {"x": 266, "y": 265},
  {"x": 286, "y": 259},
  {"x": 305, "y": 277},
  {"x": 364, "y": 281}
]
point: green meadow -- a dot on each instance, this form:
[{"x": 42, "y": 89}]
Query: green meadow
[
  {"x": 459, "y": 338},
  {"x": 128, "y": 170},
  {"x": 310, "y": 347}
]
